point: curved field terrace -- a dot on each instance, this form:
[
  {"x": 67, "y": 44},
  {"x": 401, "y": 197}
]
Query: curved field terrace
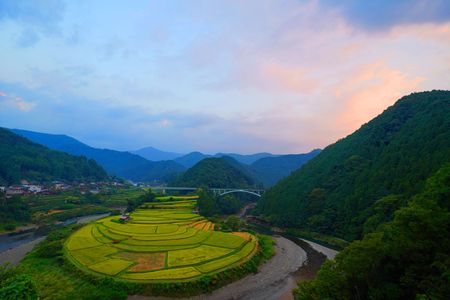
[{"x": 162, "y": 242}]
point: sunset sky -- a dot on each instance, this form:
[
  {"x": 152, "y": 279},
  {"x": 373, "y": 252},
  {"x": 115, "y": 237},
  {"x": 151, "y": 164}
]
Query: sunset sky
[{"x": 228, "y": 76}]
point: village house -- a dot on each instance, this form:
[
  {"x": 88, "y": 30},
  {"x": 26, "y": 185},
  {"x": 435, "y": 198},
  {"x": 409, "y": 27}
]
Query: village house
[
  {"x": 14, "y": 190},
  {"x": 33, "y": 188},
  {"x": 60, "y": 186}
]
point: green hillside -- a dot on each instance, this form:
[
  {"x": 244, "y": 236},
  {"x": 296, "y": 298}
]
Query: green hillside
[
  {"x": 23, "y": 159},
  {"x": 407, "y": 258},
  {"x": 388, "y": 158},
  {"x": 215, "y": 172}
]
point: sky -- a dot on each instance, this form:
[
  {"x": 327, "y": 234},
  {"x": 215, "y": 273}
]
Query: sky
[{"x": 215, "y": 76}]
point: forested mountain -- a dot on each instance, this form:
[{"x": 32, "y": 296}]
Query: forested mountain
[
  {"x": 154, "y": 154},
  {"x": 269, "y": 170},
  {"x": 220, "y": 172},
  {"x": 190, "y": 159},
  {"x": 122, "y": 164},
  {"x": 407, "y": 258},
  {"x": 373, "y": 170},
  {"x": 247, "y": 159},
  {"x": 23, "y": 159}
]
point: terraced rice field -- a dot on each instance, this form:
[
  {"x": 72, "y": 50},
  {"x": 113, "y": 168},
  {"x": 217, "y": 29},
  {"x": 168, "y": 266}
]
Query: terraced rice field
[{"x": 163, "y": 242}]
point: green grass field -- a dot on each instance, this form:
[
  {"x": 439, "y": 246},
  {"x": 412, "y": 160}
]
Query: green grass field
[{"x": 163, "y": 242}]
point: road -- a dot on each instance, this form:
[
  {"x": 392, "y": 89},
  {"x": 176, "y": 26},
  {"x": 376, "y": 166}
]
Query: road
[{"x": 272, "y": 282}]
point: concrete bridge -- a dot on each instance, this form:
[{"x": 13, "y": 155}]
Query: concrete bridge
[{"x": 216, "y": 191}]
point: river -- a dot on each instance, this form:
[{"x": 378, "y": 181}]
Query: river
[{"x": 14, "y": 246}]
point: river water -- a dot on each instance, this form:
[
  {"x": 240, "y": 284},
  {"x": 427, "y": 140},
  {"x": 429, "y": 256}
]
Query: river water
[{"x": 14, "y": 246}]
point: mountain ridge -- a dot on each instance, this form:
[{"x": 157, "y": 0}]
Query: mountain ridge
[
  {"x": 154, "y": 154},
  {"x": 122, "y": 164},
  {"x": 24, "y": 159},
  {"x": 215, "y": 172}
]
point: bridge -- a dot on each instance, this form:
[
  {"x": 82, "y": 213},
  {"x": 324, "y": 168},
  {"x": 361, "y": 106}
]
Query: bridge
[{"x": 217, "y": 191}]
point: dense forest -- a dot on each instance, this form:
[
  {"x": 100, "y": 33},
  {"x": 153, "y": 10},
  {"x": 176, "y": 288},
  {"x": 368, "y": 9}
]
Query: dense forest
[
  {"x": 122, "y": 164},
  {"x": 369, "y": 174},
  {"x": 23, "y": 159},
  {"x": 406, "y": 258},
  {"x": 220, "y": 172}
]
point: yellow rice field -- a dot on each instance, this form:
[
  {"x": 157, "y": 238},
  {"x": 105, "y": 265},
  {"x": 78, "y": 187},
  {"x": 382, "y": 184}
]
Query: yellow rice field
[{"x": 162, "y": 242}]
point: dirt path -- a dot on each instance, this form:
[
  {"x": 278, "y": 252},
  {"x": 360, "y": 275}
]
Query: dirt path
[{"x": 272, "y": 282}]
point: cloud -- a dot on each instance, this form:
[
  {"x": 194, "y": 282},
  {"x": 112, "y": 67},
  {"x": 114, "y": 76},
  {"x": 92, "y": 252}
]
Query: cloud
[
  {"x": 27, "y": 38},
  {"x": 367, "y": 91},
  {"x": 24, "y": 106},
  {"x": 43, "y": 15},
  {"x": 10, "y": 101},
  {"x": 253, "y": 76},
  {"x": 33, "y": 18},
  {"x": 164, "y": 123},
  {"x": 385, "y": 14}
]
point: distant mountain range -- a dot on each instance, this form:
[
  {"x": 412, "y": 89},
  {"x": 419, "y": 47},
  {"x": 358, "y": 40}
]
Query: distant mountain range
[
  {"x": 154, "y": 154},
  {"x": 269, "y": 170},
  {"x": 265, "y": 171},
  {"x": 23, "y": 159},
  {"x": 121, "y": 164},
  {"x": 152, "y": 165}
]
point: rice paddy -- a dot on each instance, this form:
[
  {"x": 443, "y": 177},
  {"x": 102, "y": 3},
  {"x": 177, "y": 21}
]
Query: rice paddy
[{"x": 164, "y": 241}]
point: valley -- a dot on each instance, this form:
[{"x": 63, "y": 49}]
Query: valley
[
  {"x": 366, "y": 216},
  {"x": 225, "y": 150}
]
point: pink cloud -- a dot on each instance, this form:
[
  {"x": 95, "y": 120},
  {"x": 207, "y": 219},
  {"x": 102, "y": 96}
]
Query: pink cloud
[
  {"x": 369, "y": 90},
  {"x": 2, "y": 94},
  {"x": 165, "y": 123},
  {"x": 288, "y": 79},
  {"x": 24, "y": 106}
]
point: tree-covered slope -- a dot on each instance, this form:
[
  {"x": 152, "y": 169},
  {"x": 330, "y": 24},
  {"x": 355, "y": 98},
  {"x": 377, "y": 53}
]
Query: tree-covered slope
[
  {"x": 23, "y": 159},
  {"x": 122, "y": 164},
  {"x": 391, "y": 155},
  {"x": 407, "y": 258},
  {"x": 215, "y": 172},
  {"x": 269, "y": 170}
]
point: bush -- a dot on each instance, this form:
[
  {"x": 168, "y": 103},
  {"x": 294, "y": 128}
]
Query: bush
[
  {"x": 49, "y": 249},
  {"x": 9, "y": 227},
  {"x": 16, "y": 286}
]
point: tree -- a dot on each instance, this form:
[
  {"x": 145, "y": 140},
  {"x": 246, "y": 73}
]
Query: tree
[
  {"x": 406, "y": 258},
  {"x": 233, "y": 223},
  {"x": 14, "y": 285},
  {"x": 206, "y": 204}
]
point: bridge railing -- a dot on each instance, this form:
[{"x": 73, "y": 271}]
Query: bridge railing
[{"x": 217, "y": 191}]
